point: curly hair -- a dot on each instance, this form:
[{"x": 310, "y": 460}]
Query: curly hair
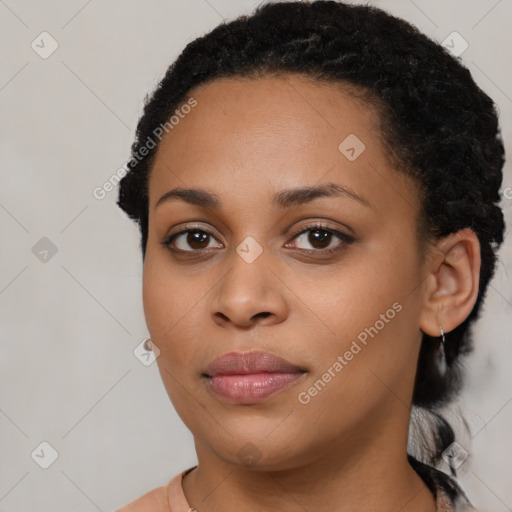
[{"x": 438, "y": 127}]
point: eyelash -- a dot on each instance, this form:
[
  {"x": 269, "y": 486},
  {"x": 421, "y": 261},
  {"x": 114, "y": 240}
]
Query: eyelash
[{"x": 344, "y": 238}]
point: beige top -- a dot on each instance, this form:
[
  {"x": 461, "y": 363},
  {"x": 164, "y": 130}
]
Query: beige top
[{"x": 171, "y": 498}]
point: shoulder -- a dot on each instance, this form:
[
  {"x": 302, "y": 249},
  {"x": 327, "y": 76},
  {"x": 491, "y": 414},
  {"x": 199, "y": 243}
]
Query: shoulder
[
  {"x": 160, "y": 499},
  {"x": 153, "y": 501}
]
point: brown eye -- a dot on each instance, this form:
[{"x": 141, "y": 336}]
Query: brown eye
[
  {"x": 197, "y": 239},
  {"x": 191, "y": 240},
  {"x": 317, "y": 239},
  {"x": 320, "y": 239}
]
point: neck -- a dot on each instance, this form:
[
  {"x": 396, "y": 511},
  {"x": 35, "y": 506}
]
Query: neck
[{"x": 366, "y": 472}]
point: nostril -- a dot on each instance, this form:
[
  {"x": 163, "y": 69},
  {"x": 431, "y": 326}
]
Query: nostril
[{"x": 263, "y": 314}]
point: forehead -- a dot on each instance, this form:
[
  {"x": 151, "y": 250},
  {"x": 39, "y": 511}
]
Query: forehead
[
  {"x": 278, "y": 116},
  {"x": 263, "y": 134}
]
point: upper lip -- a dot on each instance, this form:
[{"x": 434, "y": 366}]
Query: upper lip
[{"x": 245, "y": 363}]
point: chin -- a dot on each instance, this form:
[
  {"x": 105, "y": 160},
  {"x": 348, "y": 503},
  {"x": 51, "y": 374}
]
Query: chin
[{"x": 261, "y": 451}]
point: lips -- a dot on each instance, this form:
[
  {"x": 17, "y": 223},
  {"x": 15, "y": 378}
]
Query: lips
[
  {"x": 245, "y": 363},
  {"x": 250, "y": 377}
]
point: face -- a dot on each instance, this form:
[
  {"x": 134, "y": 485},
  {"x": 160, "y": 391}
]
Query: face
[{"x": 283, "y": 290}]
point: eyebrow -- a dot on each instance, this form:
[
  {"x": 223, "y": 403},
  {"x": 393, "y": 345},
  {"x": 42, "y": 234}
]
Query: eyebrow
[{"x": 283, "y": 199}]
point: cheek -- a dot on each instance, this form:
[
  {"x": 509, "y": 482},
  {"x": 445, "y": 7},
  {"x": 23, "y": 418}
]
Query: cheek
[
  {"x": 369, "y": 354},
  {"x": 366, "y": 286},
  {"x": 174, "y": 309},
  {"x": 159, "y": 299},
  {"x": 371, "y": 305},
  {"x": 165, "y": 298}
]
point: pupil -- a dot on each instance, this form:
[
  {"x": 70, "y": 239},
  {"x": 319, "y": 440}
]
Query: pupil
[
  {"x": 321, "y": 237},
  {"x": 197, "y": 239}
]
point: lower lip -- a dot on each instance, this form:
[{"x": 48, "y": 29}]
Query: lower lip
[{"x": 251, "y": 388}]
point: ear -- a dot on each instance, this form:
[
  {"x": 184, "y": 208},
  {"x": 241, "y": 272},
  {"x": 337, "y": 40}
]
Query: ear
[{"x": 451, "y": 287}]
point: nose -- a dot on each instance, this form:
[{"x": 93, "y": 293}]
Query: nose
[{"x": 249, "y": 294}]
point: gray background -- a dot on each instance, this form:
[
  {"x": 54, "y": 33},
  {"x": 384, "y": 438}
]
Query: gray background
[{"x": 70, "y": 323}]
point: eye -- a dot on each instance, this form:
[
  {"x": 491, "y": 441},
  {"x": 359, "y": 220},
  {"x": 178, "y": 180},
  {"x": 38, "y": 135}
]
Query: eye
[
  {"x": 320, "y": 238},
  {"x": 191, "y": 240}
]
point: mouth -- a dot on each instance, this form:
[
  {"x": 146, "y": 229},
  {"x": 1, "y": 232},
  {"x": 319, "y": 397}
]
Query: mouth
[{"x": 250, "y": 377}]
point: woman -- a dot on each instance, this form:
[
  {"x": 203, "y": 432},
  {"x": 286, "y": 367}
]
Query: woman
[{"x": 317, "y": 189}]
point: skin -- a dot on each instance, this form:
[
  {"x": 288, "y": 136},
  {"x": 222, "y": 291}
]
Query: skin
[{"x": 345, "y": 449}]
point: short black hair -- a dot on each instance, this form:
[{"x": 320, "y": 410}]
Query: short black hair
[{"x": 438, "y": 126}]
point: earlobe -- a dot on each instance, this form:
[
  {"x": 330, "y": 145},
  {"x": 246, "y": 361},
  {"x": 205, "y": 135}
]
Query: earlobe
[{"x": 452, "y": 286}]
